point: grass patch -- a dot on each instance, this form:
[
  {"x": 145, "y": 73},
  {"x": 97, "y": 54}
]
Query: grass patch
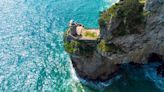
[{"x": 90, "y": 34}]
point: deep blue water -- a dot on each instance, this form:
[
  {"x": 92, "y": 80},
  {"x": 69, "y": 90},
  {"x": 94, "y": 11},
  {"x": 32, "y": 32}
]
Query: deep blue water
[{"x": 32, "y": 57}]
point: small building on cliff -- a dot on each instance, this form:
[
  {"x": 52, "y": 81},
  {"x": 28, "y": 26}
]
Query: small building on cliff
[{"x": 78, "y": 31}]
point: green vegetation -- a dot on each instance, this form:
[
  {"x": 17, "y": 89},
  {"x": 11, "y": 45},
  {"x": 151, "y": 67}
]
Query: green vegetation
[
  {"x": 129, "y": 12},
  {"x": 146, "y": 13},
  {"x": 105, "y": 47},
  {"x": 133, "y": 15},
  {"x": 78, "y": 47},
  {"x": 108, "y": 14},
  {"x": 142, "y": 1},
  {"x": 121, "y": 30},
  {"x": 90, "y": 34},
  {"x": 71, "y": 47}
]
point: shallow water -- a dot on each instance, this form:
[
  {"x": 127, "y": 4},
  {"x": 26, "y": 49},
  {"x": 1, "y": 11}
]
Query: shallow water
[{"x": 32, "y": 57}]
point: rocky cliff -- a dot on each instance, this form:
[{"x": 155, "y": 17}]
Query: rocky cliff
[{"x": 130, "y": 32}]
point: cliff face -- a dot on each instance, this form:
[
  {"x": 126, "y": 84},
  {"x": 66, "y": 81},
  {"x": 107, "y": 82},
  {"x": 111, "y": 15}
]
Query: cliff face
[
  {"x": 139, "y": 47},
  {"x": 94, "y": 67},
  {"x": 122, "y": 41}
]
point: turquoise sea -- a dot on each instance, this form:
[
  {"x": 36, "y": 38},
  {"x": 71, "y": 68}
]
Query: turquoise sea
[{"x": 32, "y": 57}]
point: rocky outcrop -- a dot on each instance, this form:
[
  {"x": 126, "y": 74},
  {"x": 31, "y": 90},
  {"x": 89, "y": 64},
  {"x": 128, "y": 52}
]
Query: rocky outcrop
[{"x": 145, "y": 45}]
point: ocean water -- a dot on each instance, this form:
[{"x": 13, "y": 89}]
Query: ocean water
[{"x": 32, "y": 57}]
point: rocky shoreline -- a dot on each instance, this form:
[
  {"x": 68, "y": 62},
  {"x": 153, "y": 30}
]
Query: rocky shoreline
[{"x": 134, "y": 37}]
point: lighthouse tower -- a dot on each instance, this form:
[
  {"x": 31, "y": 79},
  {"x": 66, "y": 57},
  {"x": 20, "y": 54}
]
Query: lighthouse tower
[{"x": 72, "y": 27}]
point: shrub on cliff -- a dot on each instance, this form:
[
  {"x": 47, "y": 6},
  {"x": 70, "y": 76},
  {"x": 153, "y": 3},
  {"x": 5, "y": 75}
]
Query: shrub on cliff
[
  {"x": 130, "y": 12},
  {"x": 71, "y": 47},
  {"x": 106, "y": 15},
  {"x": 105, "y": 47},
  {"x": 133, "y": 15}
]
